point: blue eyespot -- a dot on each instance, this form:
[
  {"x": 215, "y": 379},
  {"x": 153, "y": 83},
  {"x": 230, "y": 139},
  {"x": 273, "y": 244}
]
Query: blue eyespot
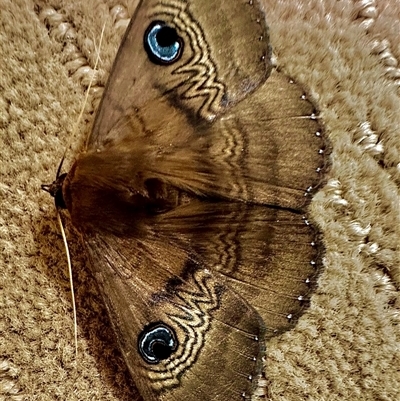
[
  {"x": 156, "y": 343},
  {"x": 162, "y": 43}
]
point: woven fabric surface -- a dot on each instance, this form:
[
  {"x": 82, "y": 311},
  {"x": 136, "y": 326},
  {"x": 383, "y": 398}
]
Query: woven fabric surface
[{"x": 347, "y": 345}]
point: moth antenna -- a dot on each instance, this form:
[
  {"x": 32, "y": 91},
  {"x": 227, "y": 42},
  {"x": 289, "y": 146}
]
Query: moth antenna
[
  {"x": 60, "y": 165},
  {"x": 57, "y": 175},
  {"x": 71, "y": 282},
  {"x": 78, "y": 120},
  {"x": 91, "y": 80}
]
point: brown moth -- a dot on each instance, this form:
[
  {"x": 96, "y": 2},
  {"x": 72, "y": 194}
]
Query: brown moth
[{"x": 191, "y": 195}]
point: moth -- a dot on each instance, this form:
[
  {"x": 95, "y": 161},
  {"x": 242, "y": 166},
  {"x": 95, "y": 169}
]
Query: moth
[{"x": 191, "y": 198}]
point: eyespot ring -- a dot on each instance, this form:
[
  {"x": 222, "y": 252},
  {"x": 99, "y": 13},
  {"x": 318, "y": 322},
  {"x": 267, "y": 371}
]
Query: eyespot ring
[
  {"x": 157, "y": 342},
  {"x": 162, "y": 43}
]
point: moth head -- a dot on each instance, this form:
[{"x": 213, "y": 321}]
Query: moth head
[{"x": 56, "y": 191}]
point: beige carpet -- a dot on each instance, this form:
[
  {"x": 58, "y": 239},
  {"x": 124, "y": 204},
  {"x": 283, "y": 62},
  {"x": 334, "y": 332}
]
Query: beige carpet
[{"x": 347, "y": 346}]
